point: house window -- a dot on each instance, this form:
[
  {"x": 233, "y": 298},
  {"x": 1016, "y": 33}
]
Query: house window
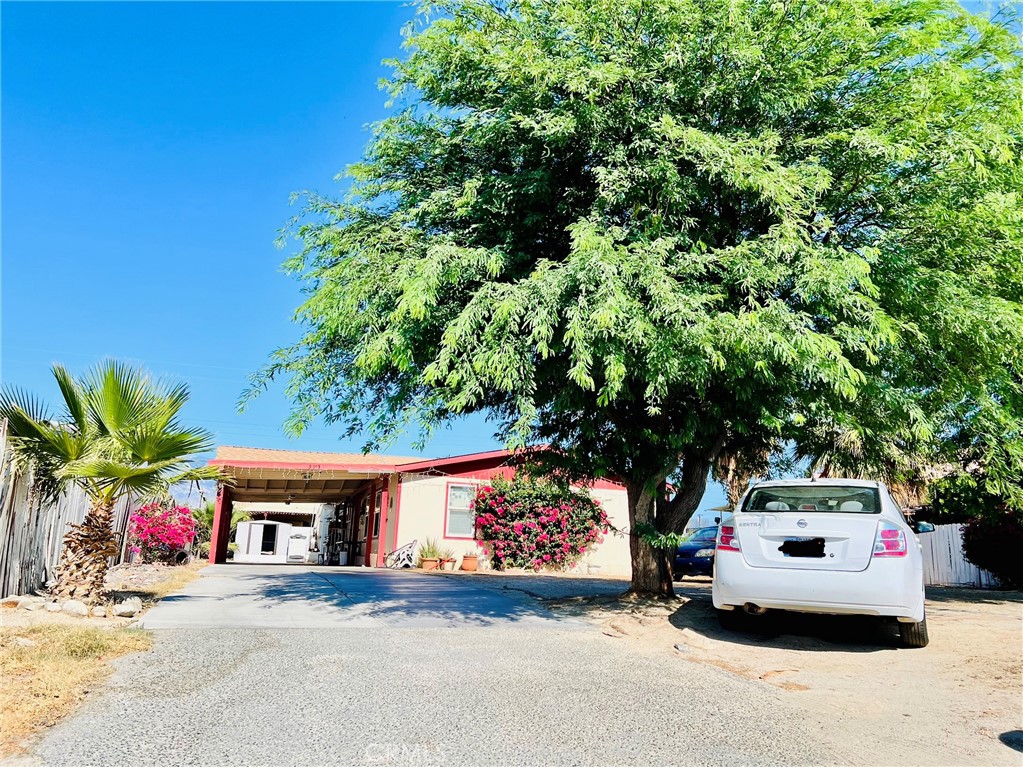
[
  {"x": 376, "y": 515},
  {"x": 459, "y": 518}
]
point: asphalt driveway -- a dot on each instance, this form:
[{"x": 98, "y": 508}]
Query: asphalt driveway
[{"x": 262, "y": 666}]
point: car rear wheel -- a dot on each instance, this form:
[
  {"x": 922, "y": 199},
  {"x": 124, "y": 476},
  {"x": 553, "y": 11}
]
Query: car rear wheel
[
  {"x": 913, "y": 634},
  {"x": 732, "y": 620}
]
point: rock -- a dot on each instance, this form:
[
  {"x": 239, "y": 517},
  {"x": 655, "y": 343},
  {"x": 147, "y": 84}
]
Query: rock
[
  {"x": 129, "y": 608},
  {"x": 23, "y": 642},
  {"x": 33, "y": 606},
  {"x": 12, "y": 601},
  {"x": 53, "y": 607},
  {"x": 74, "y": 607},
  {"x": 99, "y": 612}
]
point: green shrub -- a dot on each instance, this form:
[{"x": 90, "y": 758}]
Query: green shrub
[
  {"x": 995, "y": 544},
  {"x": 428, "y": 550},
  {"x": 536, "y": 524}
]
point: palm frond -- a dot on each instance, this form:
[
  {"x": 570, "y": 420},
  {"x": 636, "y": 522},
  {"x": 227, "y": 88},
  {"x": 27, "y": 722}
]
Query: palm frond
[
  {"x": 120, "y": 434},
  {"x": 199, "y": 473},
  {"x": 120, "y": 397},
  {"x": 18, "y": 406},
  {"x": 154, "y": 443},
  {"x": 77, "y": 411}
]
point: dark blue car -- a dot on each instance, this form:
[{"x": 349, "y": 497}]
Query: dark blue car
[{"x": 696, "y": 555}]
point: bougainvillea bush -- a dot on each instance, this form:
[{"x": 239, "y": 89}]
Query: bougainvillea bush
[
  {"x": 536, "y": 524},
  {"x": 158, "y": 532}
]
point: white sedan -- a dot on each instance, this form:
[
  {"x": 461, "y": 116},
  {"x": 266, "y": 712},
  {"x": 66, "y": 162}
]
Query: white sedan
[{"x": 838, "y": 546}]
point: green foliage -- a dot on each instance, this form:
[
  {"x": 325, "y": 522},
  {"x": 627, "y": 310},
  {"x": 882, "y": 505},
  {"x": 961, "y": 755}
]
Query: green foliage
[
  {"x": 538, "y": 524},
  {"x": 964, "y": 497},
  {"x": 994, "y": 543},
  {"x": 645, "y": 231},
  {"x": 661, "y": 541},
  {"x": 118, "y": 434},
  {"x": 428, "y": 549},
  {"x": 204, "y": 524}
]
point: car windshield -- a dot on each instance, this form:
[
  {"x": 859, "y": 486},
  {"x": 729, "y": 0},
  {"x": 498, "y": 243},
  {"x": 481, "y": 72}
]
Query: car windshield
[
  {"x": 702, "y": 535},
  {"x": 815, "y": 497}
]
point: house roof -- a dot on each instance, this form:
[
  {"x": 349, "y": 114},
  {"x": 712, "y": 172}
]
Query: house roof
[
  {"x": 263, "y": 458},
  {"x": 433, "y": 463}
]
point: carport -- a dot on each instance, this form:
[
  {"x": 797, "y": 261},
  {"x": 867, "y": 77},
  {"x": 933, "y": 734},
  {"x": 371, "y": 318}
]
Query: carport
[{"x": 358, "y": 486}]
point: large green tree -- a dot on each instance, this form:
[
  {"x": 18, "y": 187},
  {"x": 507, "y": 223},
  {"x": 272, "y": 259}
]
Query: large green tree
[
  {"x": 116, "y": 435},
  {"x": 644, "y": 232}
]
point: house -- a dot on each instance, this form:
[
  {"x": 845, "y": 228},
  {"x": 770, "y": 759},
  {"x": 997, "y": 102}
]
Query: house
[{"x": 353, "y": 509}]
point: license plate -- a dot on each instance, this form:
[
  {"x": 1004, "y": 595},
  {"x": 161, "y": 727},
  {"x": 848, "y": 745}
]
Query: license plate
[{"x": 803, "y": 547}]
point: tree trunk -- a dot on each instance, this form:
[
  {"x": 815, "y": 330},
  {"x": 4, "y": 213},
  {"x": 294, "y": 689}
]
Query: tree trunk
[
  {"x": 83, "y": 563},
  {"x": 677, "y": 512},
  {"x": 651, "y": 574}
]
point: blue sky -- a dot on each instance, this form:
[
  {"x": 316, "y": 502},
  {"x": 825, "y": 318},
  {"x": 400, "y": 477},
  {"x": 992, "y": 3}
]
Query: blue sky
[{"x": 148, "y": 154}]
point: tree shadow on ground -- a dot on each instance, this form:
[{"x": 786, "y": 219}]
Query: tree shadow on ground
[
  {"x": 696, "y": 615},
  {"x": 384, "y": 597}
]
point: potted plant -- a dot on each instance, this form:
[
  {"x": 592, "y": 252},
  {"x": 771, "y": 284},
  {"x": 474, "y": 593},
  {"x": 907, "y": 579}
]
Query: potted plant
[
  {"x": 470, "y": 562},
  {"x": 447, "y": 559},
  {"x": 429, "y": 555}
]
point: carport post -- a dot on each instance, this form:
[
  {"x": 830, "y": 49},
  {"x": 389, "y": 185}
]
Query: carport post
[
  {"x": 382, "y": 532},
  {"x": 221, "y": 525}
]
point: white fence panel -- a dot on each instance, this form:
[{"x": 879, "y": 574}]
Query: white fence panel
[{"x": 944, "y": 563}]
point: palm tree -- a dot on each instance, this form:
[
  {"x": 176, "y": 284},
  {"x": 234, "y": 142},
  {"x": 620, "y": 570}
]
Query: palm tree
[{"x": 118, "y": 435}]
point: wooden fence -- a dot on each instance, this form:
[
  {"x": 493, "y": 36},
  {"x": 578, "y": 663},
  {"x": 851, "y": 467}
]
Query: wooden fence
[
  {"x": 31, "y": 532},
  {"x": 944, "y": 563}
]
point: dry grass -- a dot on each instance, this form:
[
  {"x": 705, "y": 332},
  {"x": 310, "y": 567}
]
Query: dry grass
[
  {"x": 50, "y": 661},
  {"x": 46, "y": 670},
  {"x": 154, "y": 585},
  {"x": 177, "y": 578}
]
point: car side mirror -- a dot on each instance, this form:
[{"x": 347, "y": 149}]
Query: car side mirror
[{"x": 924, "y": 527}]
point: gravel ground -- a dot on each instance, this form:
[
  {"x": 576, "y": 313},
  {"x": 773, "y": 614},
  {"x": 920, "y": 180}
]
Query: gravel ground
[
  {"x": 465, "y": 696},
  {"x": 608, "y": 687},
  {"x": 504, "y": 692}
]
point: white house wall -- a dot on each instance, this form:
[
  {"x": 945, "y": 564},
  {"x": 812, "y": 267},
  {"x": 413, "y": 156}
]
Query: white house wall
[{"x": 423, "y": 511}]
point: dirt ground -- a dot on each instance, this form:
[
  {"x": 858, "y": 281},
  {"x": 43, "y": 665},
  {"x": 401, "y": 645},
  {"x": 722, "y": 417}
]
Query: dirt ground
[{"x": 959, "y": 701}]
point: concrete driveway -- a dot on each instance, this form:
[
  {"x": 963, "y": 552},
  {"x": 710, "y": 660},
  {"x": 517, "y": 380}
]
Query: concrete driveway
[
  {"x": 270, "y": 667},
  {"x": 292, "y": 597}
]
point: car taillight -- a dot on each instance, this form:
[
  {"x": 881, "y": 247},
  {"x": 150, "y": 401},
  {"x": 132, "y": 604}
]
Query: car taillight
[
  {"x": 890, "y": 541},
  {"x": 727, "y": 539}
]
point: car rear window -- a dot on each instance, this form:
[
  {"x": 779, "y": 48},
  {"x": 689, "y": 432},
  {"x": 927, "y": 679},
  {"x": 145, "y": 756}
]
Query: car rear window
[
  {"x": 704, "y": 534},
  {"x": 815, "y": 497}
]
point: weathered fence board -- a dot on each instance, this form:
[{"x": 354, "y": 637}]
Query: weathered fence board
[
  {"x": 944, "y": 563},
  {"x": 32, "y": 532}
]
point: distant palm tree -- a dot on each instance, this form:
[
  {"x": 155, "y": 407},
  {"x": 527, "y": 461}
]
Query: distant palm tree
[
  {"x": 118, "y": 435},
  {"x": 204, "y": 518}
]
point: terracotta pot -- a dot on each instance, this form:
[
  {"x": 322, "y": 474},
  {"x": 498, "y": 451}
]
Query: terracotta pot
[
  {"x": 447, "y": 564},
  {"x": 429, "y": 564},
  {"x": 470, "y": 562}
]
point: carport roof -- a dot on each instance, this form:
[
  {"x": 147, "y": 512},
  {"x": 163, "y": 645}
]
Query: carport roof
[
  {"x": 257, "y": 457},
  {"x": 260, "y": 474}
]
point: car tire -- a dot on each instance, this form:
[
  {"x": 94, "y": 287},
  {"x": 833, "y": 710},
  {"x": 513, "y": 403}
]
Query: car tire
[
  {"x": 732, "y": 620},
  {"x": 914, "y": 634}
]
